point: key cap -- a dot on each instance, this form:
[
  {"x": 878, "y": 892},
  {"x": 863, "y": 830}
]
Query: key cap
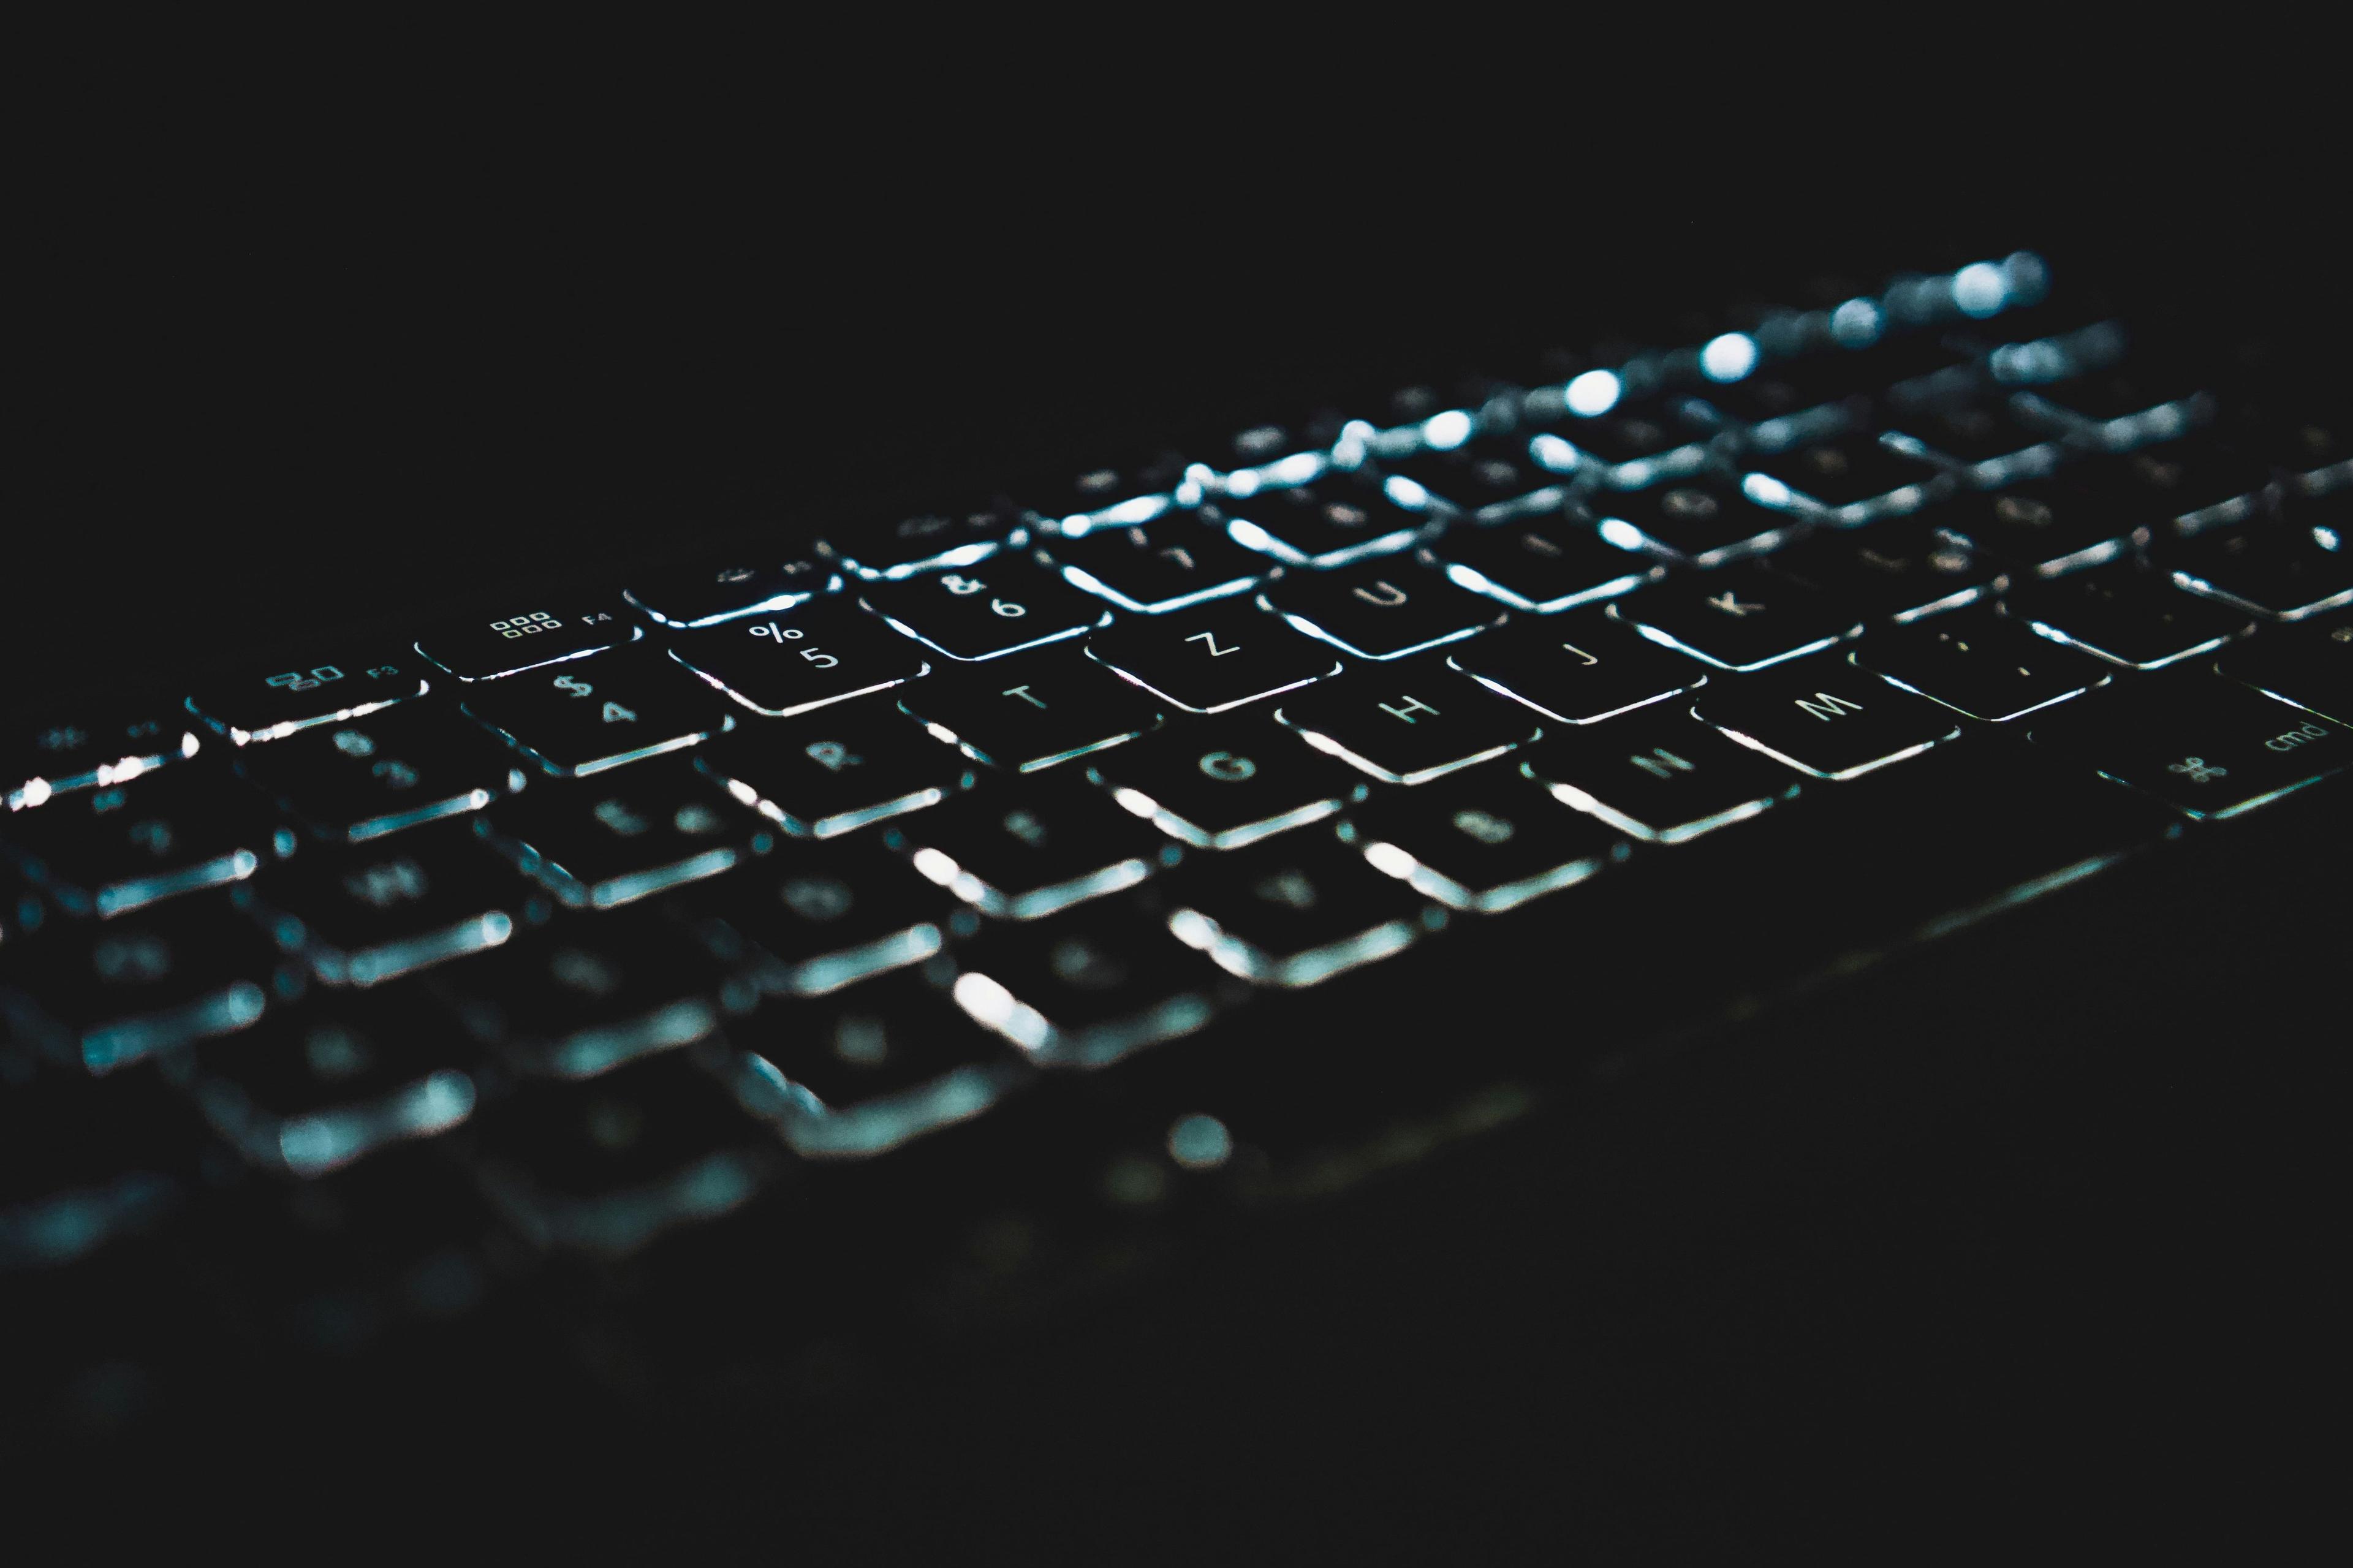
[
  {"x": 2207, "y": 747},
  {"x": 1897, "y": 570},
  {"x": 2276, "y": 569},
  {"x": 1408, "y": 723},
  {"x": 1660, "y": 777},
  {"x": 1981, "y": 665},
  {"x": 584, "y": 994},
  {"x": 2309, "y": 664},
  {"x": 826, "y": 773},
  {"x": 823, "y": 916},
  {"x": 1212, "y": 659},
  {"x": 1033, "y": 710},
  {"x": 1110, "y": 495},
  {"x": 598, "y": 713},
  {"x": 1489, "y": 842},
  {"x": 2146, "y": 398},
  {"x": 878, "y": 549},
  {"x": 1020, "y": 853},
  {"x": 2307, "y": 441},
  {"x": 1179, "y": 562},
  {"x": 488, "y": 647},
  {"x": 654, "y": 826},
  {"x": 44, "y": 757},
  {"x": 386, "y": 772},
  {"x": 1489, "y": 477},
  {"x": 1541, "y": 563},
  {"x": 366, "y": 915},
  {"x": 1577, "y": 670},
  {"x": 682, "y": 597},
  {"x": 1986, "y": 446},
  {"x": 275, "y": 702},
  {"x": 870, "y": 1069},
  {"x": 824, "y": 652},
  {"x": 1702, "y": 523},
  {"x": 2126, "y": 616},
  {"x": 1743, "y": 618},
  {"x": 320, "y": 1084},
  {"x": 1220, "y": 786},
  {"x": 1379, "y": 610},
  {"x": 105, "y": 851},
  {"x": 1086, "y": 988},
  {"x": 1781, "y": 404},
  {"x": 1826, "y": 718},
  {"x": 1330, "y": 523},
  {"x": 986, "y": 613},
  {"x": 1851, "y": 480},
  {"x": 2187, "y": 486},
  {"x": 1295, "y": 913},
  {"x": 1633, "y": 446},
  {"x": 2041, "y": 528}
]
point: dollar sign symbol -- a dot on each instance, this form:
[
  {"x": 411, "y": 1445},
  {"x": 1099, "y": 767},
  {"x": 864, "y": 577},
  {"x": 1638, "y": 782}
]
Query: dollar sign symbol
[{"x": 574, "y": 684}]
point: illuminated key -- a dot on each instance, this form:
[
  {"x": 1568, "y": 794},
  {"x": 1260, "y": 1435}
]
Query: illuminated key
[
  {"x": 1408, "y": 723},
  {"x": 1296, "y": 912},
  {"x": 1660, "y": 776},
  {"x": 1380, "y": 610},
  {"x": 1213, "y": 658},
  {"x": 484, "y": 648},
  {"x": 627, "y": 834},
  {"x": 1578, "y": 669},
  {"x": 1033, "y": 710},
  {"x": 831, "y": 772},
  {"x": 1489, "y": 841},
  {"x": 1220, "y": 786},
  {"x": 1824, "y": 717},
  {"x": 1022, "y": 853}
]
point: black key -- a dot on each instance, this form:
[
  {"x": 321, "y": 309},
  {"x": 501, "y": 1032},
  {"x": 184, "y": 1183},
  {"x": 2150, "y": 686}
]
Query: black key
[
  {"x": 1577, "y": 670},
  {"x": 1212, "y": 659},
  {"x": 1220, "y": 786},
  {"x": 1110, "y": 495},
  {"x": 986, "y": 611},
  {"x": 2288, "y": 570},
  {"x": 2126, "y": 616},
  {"x": 1295, "y": 913},
  {"x": 866, "y": 1071},
  {"x": 1744, "y": 618},
  {"x": 686, "y": 596},
  {"x": 368, "y": 915},
  {"x": 826, "y": 773},
  {"x": 1851, "y": 480},
  {"x": 598, "y": 713},
  {"x": 2207, "y": 747},
  {"x": 584, "y": 994},
  {"x": 1981, "y": 665},
  {"x": 2144, "y": 399},
  {"x": 2308, "y": 442},
  {"x": 1175, "y": 563},
  {"x": 485, "y": 647},
  {"x": 2189, "y": 486},
  {"x": 1329, "y": 523},
  {"x": 2310, "y": 664},
  {"x": 821, "y": 917},
  {"x": 1379, "y": 610},
  {"x": 55, "y": 755},
  {"x": 1780, "y": 405},
  {"x": 1633, "y": 446},
  {"x": 1986, "y": 446},
  {"x": 1491, "y": 478},
  {"x": 104, "y": 851},
  {"x": 1086, "y": 988},
  {"x": 1022, "y": 853},
  {"x": 1824, "y": 717},
  {"x": 1490, "y": 842},
  {"x": 651, "y": 827},
  {"x": 106, "y": 995},
  {"x": 781, "y": 665},
  {"x": 386, "y": 772},
  {"x": 1897, "y": 570},
  {"x": 1661, "y": 776},
  {"x": 883, "y": 550},
  {"x": 1407, "y": 724},
  {"x": 2044, "y": 527},
  {"x": 1033, "y": 710},
  {"x": 320, "y": 1084},
  {"x": 270, "y": 704},
  {"x": 1540, "y": 563},
  {"x": 1701, "y": 523}
]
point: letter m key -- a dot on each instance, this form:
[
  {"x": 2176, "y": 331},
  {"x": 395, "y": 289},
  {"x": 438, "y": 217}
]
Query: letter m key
[{"x": 1829, "y": 706}]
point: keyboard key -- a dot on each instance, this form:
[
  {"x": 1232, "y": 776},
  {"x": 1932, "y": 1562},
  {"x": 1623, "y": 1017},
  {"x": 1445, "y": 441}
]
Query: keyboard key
[
  {"x": 2127, "y": 616},
  {"x": 1407, "y": 724},
  {"x": 1702, "y": 523},
  {"x": 1781, "y": 404},
  {"x": 1824, "y": 717},
  {"x": 1632, "y": 444},
  {"x": 1541, "y": 564},
  {"x": 866, "y": 1071},
  {"x": 2147, "y": 398},
  {"x": 2207, "y": 747},
  {"x": 1577, "y": 670},
  {"x": 1330, "y": 523},
  {"x": 2287, "y": 570},
  {"x": 652, "y": 828},
  {"x": 1851, "y": 480},
  {"x": 1660, "y": 777},
  {"x": 1220, "y": 786},
  {"x": 271, "y": 702},
  {"x": 2308, "y": 442},
  {"x": 485, "y": 647},
  {"x": 1110, "y": 495},
  {"x": 365, "y": 916},
  {"x": 1086, "y": 988},
  {"x": 2188, "y": 485},
  {"x": 1897, "y": 570},
  {"x": 1295, "y": 913},
  {"x": 57, "y": 754},
  {"x": 1981, "y": 665},
  {"x": 1489, "y": 477},
  {"x": 822, "y": 917},
  {"x": 1020, "y": 853},
  {"x": 1212, "y": 659},
  {"x": 1489, "y": 842},
  {"x": 82, "y": 1164},
  {"x": 1379, "y": 610},
  {"x": 1033, "y": 710},
  {"x": 986, "y": 611},
  {"x": 598, "y": 713},
  {"x": 584, "y": 994},
  {"x": 2309, "y": 664},
  {"x": 1986, "y": 446},
  {"x": 823, "y": 652},
  {"x": 388, "y": 770},
  {"x": 826, "y": 773},
  {"x": 885, "y": 550},
  {"x": 2042, "y": 528},
  {"x": 1744, "y": 618},
  {"x": 104, "y": 851},
  {"x": 1177, "y": 563},
  {"x": 687, "y": 596}
]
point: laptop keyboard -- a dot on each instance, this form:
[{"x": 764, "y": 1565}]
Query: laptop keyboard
[{"x": 588, "y": 923}]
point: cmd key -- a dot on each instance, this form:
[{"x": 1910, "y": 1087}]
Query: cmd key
[{"x": 2206, "y": 746}]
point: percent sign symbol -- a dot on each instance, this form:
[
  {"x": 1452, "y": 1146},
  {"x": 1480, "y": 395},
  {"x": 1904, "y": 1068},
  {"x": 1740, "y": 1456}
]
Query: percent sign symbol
[{"x": 777, "y": 632}]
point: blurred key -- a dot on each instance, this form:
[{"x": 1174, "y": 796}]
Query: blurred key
[
  {"x": 2147, "y": 397},
  {"x": 383, "y": 773},
  {"x": 1744, "y": 618},
  {"x": 1176, "y": 562},
  {"x": 1632, "y": 444},
  {"x": 1986, "y": 446},
  {"x": 277, "y": 700},
  {"x": 831, "y": 772},
  {"x": 104, "y": 851},
  {"x": 83, "y": 1164},
  {"x": 1115, "y": 494},
  {"x": 2307, "y": 441},
  {"x": 640, "y": 831},
  {"x": 2287, "y": 569},
  {"x": 598, "y": 713},
  {"x": 1895, "y": 571},
  {"x": 1701, "y": 523},
  {"x": 986, "y": 612},
  {"x": 1825, "y": 718},
  {"x": 1208, "y": 660},
  {"x": 1661, "y": 776},
  {"x": 1980, "y": 664},
  {"x": 485, "y": 647},
  {"x": 1489, "y": 841},
  {"x": 584, "y": 994},
  {"x": 887, "y": 548},
  {"x": 1033, "y": 710},
  {"x": 2309, "y": 664},
  {"x": 1220, "y": 786},
  {"x": 2183, "y": 486},
  {"x": 2042, "y": 527},
  {"x": 1487, "y": 476},
  {"x": 365, "y": 915},
  {"x": 821, "y": 917},
  {"x": 1379, "y": 610},
  {"x": 1579, "y": 669},
  {"x": 1330, "y": 523},
  {"x": 687, "y": 596},
  {"x": 2126, "y": 616},
  {"x": 1086, "y": 988},
  {"x": 1408, "y": 723},
  {"x": 1295, "y": 912},
  {"x": 2208, "y": 747},
  {"x": 55, "y": 755},
  {"x": 1845, "y": 482},
  {"x": 1020, "y": 853},
  {"x": 1541, "y": 564}
]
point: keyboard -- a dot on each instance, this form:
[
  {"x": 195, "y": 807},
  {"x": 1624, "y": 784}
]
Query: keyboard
[{"x": 948, "y": 867}]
